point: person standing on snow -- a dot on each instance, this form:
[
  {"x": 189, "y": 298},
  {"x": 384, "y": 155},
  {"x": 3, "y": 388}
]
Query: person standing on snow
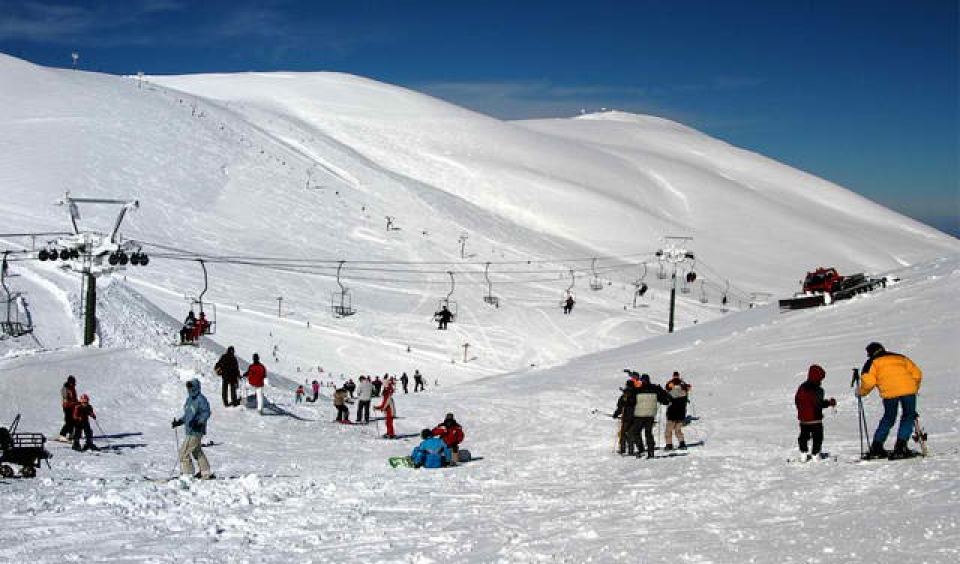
[
  {"x": 196, "y": 412},
  {"x": 626, "y": 404},
  {"x": 68, "y": 401},
  {"x": 389, "y": 410},
  {"x": 377, "y": 385},
  {"x": 649, "y": 396},
  {"x": 898, "y": 380},
  {"x": 364, "y": 395},
  {"x": 315, "y": 388},
  {"x": 452, "y": 434},
  {"x": 256, "y": 375},
  {"x": 229, "y": 371},
  {"x": 340, "y": 401},
  {"x": 82, "y": 413},
  {"x": 404, "y": 380},
  {"x": 418, "y": 382},
  {"x": 350, "y": 387},
  {"x": 676, "y": 411},
  {"x": 810, "y": 405}
]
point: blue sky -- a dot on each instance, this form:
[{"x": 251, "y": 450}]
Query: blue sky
[{"x": 863, "y": 93}]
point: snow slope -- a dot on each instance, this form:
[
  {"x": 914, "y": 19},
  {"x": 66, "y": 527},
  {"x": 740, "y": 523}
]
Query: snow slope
[{"x": 548, "y": 487}]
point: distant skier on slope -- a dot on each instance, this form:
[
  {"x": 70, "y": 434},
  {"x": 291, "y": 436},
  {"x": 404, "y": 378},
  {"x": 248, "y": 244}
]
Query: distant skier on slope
[
  {"x": 676, "y": 411},
  {"x": 229, "y": 371},
  {"x": 810, "y": 403},
  {"x": 626, "y": 405},
  {"x": 568, "y": 305},
  {"x": 377, "y": 385},
  {"x": 364, "y": 397},
  {"x": 389, "y": 410},
  {"x": 82, "y": 413},
  {"x": 452, "y": 434},
  {"x": 649, "y": 395},
  {"x": 432, "y": 452},
  {"x": 340, "y": 401},
  {"x": 418, "y": 382},
  {"x": 898, "y": 380},
  {"x": 315, "y": 388},
  {"x": 68, "y": 400},
  {"x": 350, "y": 387},
  {"x": 256, "y": 376},
  {"x": 404, "y": 381},
  {"x": 196, "y": 412}
]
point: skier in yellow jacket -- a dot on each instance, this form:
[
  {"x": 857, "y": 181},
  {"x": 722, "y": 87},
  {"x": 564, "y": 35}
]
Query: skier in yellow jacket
[{"x": 898, "y": 380}]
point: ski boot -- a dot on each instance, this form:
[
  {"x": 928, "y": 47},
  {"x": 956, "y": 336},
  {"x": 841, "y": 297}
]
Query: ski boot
[
  {"x": 668, "y": 447},
  {"x": 683, "y": 445},
  {"x": 76, "y": 447},
  {"x": 900, "y": 451},
  {"x": 876, "y": 451},
  {"x": 91, "y": 446}
]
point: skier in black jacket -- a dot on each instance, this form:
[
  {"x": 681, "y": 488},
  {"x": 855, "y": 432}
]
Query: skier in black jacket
[
  {"x": 649, "y": 395},
  {"x": 229, "y": 370},
  {"x": 626, "y": 404}
]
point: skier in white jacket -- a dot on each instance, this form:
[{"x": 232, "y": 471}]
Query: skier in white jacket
[{"x": 364, "y": 395}]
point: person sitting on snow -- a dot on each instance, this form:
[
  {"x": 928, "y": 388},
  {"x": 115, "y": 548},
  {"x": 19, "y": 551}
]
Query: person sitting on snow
[
  {"x": 452, "y": 434},
  {"x": 432, "y": 452},
  {"x": 82, "y": 413}
]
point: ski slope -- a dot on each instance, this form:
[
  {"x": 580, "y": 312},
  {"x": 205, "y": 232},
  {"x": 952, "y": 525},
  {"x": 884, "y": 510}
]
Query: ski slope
[{"x": 294, "y": 165}]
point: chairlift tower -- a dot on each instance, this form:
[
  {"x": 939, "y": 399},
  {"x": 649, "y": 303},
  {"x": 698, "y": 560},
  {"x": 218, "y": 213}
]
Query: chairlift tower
[
  {"x": 93, "y": 254},
  {"x": 675, "y": 252}
]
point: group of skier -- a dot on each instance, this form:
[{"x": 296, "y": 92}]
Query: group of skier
[
  {"x": 440, "y": 446},
  {"x": 77, "y": 413},
  {"x": 897, "y": 379},
  {"x": 228, "y": 368},
  {"x": 637, "y": 409}
]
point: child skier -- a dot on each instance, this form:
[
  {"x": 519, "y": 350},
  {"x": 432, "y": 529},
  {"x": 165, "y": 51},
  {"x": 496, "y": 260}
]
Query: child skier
[
  {"x": 388, "y": 409},
  {"x": 82, "y": 413},
  {"x": 810, "y": 404}
]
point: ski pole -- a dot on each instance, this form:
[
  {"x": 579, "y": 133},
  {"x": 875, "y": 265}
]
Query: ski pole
[
  {"x": 176, "y": 435},
  {"x": 103, "y": 433}
]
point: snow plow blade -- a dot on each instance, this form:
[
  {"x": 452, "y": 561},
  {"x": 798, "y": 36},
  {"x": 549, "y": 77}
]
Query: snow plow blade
[{"x": 802, "y": 302}]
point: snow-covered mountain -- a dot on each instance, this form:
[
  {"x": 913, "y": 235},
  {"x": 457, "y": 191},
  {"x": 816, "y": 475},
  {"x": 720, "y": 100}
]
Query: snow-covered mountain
[{"x": 268, "y": 168}]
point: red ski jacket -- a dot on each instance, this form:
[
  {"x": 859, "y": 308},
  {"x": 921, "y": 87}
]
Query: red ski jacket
[
  {"x": 452, "y": 435},
  {"x": 256, "y": 375}
]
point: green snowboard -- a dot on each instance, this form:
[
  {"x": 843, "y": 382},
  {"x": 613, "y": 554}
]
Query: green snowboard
[{"x": 401, "y": 462}]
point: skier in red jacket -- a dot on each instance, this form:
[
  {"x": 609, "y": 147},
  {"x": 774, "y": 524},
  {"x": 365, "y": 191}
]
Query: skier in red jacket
[
  {"x": 82, "y": 413},
  {"x": 388, "y": 409},
  {"x": 810, "y": 404},
  {"x": 257, "y": 376},
  {"x": 452, "y": 434}
]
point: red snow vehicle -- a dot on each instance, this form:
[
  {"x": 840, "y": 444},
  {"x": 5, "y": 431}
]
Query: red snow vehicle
[{"x": 826, "y": 285}]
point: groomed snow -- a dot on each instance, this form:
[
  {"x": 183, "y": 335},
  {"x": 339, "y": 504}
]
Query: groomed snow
[{"x": 308, "y": 165}]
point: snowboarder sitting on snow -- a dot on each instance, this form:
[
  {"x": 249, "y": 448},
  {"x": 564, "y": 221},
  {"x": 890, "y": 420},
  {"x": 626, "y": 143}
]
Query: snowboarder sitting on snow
[
  {"x": 68, "y": 400},
  {"x": 196, "y": 412},
  {"x": 186, "y": 332},
  {"x": 82, "y": 413},
  {"x": 443, "y": 317},
  {"x": 810, "y": 404},
  {"x": 452, "y": 434},
  {"x": 340, "y": 401},
  {"x": 898, "y": 380},
  {"x": 432, "y": 452},
  {"x": 676, "y": 411},
  {"x": 649, "y": 395},
  {"x": 626, "y": 404}
]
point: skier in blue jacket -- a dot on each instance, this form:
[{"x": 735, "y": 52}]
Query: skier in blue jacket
[
  {"x": 433, "y": 452},
  {"x": 196, "y": 411}
]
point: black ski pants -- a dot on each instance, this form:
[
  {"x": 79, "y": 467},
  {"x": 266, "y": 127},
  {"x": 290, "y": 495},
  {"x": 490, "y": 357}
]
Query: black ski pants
[
  {"x": 228, "y": 392},
  {"x": 67, "y": 429},
  {"x": 363, "y": 411},
  {"x": 808, "y": 431},
  {"x": 418, "y": 385},
  {"x": 624, "y": 435},
  {"x": 343, "y": 413},
  {"x": 404, "y": 387},
  {"x": 641, "y": 429},
  {"x": 82, "y": 428}
]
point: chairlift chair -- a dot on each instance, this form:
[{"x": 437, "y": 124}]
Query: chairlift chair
[
  {"x": 490, "y": 298},
  {"x": 206, "y": 310},
  {"x": 341, "y": 303},
  {"x": 11, "y": 326},
  {"x": 595, "y": 283}
]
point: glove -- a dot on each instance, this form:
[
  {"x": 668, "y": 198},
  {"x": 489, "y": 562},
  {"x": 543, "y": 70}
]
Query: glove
[
  {"x": 833, "y": 402},
  {"x": 176, "y": 423},
  {"x": 614, "y": 416}
]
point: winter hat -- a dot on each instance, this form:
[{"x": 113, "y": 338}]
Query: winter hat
[
  {"x": 449, "y": 417},
  {"x": 230, "y": 350},
  {"x": 426, "y": 434},
  {"x": 71, "y": 380},
  {"x": 874, "y": 348},
  {"x": 816, "y": 373},
  {"x": 256, "y": 357},
  {"x": 84, "y": 398}
]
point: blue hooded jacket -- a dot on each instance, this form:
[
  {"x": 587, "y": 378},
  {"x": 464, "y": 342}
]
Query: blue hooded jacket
[
  {"x": 196, "y": 411},
  {"x": 431, "y": 453}
]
